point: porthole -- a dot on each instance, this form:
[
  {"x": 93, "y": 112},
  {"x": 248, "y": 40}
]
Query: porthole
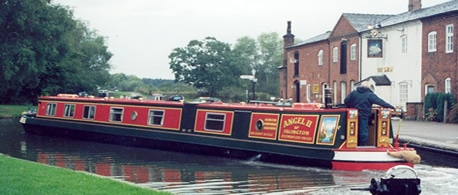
[
  {"x": 259, "y": 125},
  {"x": 134, "y": 115}
]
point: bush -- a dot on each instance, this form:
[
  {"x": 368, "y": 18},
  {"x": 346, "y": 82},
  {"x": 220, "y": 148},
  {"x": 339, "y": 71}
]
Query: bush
[
  {"x": 434, "y": 102},
  {"x": 453, "y": 114}
]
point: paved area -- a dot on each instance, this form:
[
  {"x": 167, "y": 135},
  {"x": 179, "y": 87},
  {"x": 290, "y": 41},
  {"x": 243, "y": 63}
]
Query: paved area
[{"x": 432, "y": 135}]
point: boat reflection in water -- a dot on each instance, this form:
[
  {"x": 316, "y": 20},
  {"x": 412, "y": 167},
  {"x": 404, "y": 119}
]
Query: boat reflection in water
[{"x": 185, "y": 173}]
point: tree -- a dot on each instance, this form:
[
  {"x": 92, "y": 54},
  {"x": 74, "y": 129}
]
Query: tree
[
  {"x": 271, "y": 49},
  {"x": 206, "y": 65},
  {"x": 44, "y": 50},
  {"x": 263, "y": 55}
]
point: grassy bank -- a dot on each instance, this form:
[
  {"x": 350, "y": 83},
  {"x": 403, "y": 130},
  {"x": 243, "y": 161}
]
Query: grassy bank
[
  {"x": 8, "y": 111},
  {"x": 24, "y": 177}
]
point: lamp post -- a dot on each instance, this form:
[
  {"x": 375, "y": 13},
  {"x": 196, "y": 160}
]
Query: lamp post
[{"x": 254, "y": 80}]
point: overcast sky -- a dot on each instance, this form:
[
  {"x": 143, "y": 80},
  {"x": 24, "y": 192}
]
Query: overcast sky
[{"x": 142, "y": 33}]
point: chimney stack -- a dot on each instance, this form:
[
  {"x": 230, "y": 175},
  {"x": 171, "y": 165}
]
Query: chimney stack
[
  {"x": 288, "y": 38},
  {"x": 414, "y": 5}
]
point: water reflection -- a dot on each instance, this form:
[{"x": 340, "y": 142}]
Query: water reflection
[
  {"x": 182, "y": 173},
  {"x": 172, "y": 171}
]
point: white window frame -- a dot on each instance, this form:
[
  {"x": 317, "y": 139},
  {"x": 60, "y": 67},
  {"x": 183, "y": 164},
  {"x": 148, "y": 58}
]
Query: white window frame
[
  {"x": 449, "y": 38},
  {"x": 432, "y": 41},
  {"x": 352, "y": 85},
  {"x": 403, "y": 92},
  {"x": 51, "y": 109},
  {"x": 448, "y": 85},
  {"x": 353, "y": 52},
  {"x": 343, "y": 91},
  {"x": 116, "y": 113},
  {"x": 429, "y": 89},
  {"x": 334, "y": 85},
  {"x": 89, "y": 112},
  {"x": 335, "y": 52},
  {"x": 404, "y": 44},
  {"x": 156, "y": 117},
  {"x": 320, "y": 57},
  {"x": 215, "y": 122},
  {"x": 69, "y": 110}
]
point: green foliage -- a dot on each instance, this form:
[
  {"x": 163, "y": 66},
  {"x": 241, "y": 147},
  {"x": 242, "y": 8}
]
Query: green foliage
[
  {"x": 434, "y": 104},
  {"x": 453, "y": 115},
  {"x": 43, "y": 50},
  {"x": 14, "y": 110},
  {"x": 205, "y": 65},
  {"x": 22, "y": 177}
]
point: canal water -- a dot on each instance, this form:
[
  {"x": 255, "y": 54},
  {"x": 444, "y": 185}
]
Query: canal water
[{"x": 182, "y": 173}]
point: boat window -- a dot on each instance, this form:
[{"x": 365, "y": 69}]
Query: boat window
[
  {"x": 155, "y": 117},
  {"x": 51, "y": 109},
  {"x": 214, "y": 121},
  {"x": 69, "y": 110},
  {"x": 89, "y": 112},
  {"x": 116, "y": 114}
]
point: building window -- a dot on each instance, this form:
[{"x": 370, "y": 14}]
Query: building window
[
  {"x": 404, "y": 44},
  {"x": 309, "y": 93},
  {"x": 429, "y": 89},
  {"x": 116, "y": 114},
  {"x": 403, "y": 92},
  {"x": 156, "y": 117},
  {"x": 69, "y": 110},
  {"x": 296, "y": 63},
  {"x": 334, "y": 91},
  {"x": 51, "y": 109},
  {"x": 335, "y": 54},
  {"x": 353, "y": 52},
  {"x": 320, "y": 57},
  {"x": 449, "y": 38},
  {"x": 214, "y": 122},
  {"x": 432, "y": 41},
  {"x": 89, "y": 112},
  {"x": 343, "y": 57},
  {"x": 448, "y": 85},
  {"x": 343, "y": 91}
]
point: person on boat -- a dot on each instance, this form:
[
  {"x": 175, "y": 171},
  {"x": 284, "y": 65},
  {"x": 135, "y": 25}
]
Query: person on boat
[{"x": 363, "y": 98}]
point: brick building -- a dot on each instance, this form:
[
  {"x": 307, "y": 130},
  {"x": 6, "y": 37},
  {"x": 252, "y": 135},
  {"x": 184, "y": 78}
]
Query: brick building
[{"x": 398, "y": 48}]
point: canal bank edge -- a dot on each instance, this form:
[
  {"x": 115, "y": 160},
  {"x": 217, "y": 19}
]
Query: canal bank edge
[
  {"x": 430, "y": 145},
  {"x": 46, "y": 179},
  {"x": 13, "y": 111}
]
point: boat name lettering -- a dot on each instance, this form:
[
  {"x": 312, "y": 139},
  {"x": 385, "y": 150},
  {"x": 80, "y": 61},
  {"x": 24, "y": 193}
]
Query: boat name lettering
[{"x": 297, "y": 121}]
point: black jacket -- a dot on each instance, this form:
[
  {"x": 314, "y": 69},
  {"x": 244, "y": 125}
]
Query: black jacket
[{"x": 362, "y": 98}]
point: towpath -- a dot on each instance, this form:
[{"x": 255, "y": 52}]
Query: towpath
[{"x": 442, "y": 137}]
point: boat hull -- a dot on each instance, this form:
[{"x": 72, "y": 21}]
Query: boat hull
[
  {"x": 304, "y": 134},
  {"x": 176, "y": 141}
]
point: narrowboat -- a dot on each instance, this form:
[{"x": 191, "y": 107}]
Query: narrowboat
[{"x": 309, "y": 134}]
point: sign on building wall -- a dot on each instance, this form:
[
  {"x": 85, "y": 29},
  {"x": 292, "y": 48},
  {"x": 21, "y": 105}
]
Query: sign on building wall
[
  {"x": 316, "y": 88},
  {"x": 385, "y": 69},
  {"x": 375, "y": 48}
]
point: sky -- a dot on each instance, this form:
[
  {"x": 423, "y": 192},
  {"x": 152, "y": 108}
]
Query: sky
[{"x": 142, "y": 33}]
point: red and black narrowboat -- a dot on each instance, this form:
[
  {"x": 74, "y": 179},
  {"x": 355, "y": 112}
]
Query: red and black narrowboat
[{"x": 306, "y": 133}]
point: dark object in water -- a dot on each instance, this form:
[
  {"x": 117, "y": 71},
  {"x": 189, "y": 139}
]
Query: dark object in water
[{"x": 399, "y": 180}]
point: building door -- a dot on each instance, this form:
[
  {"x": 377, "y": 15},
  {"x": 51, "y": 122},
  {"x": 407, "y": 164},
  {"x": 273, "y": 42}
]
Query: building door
[{"x": 298, "y": 91}]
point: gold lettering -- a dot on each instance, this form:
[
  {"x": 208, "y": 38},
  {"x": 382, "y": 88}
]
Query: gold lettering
[
  {"x": 294, "y": 121},
  {"x": 270, "y": 124},
  {"x": 309, "y": 123},
  {"x": 270, "y": 119}
]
